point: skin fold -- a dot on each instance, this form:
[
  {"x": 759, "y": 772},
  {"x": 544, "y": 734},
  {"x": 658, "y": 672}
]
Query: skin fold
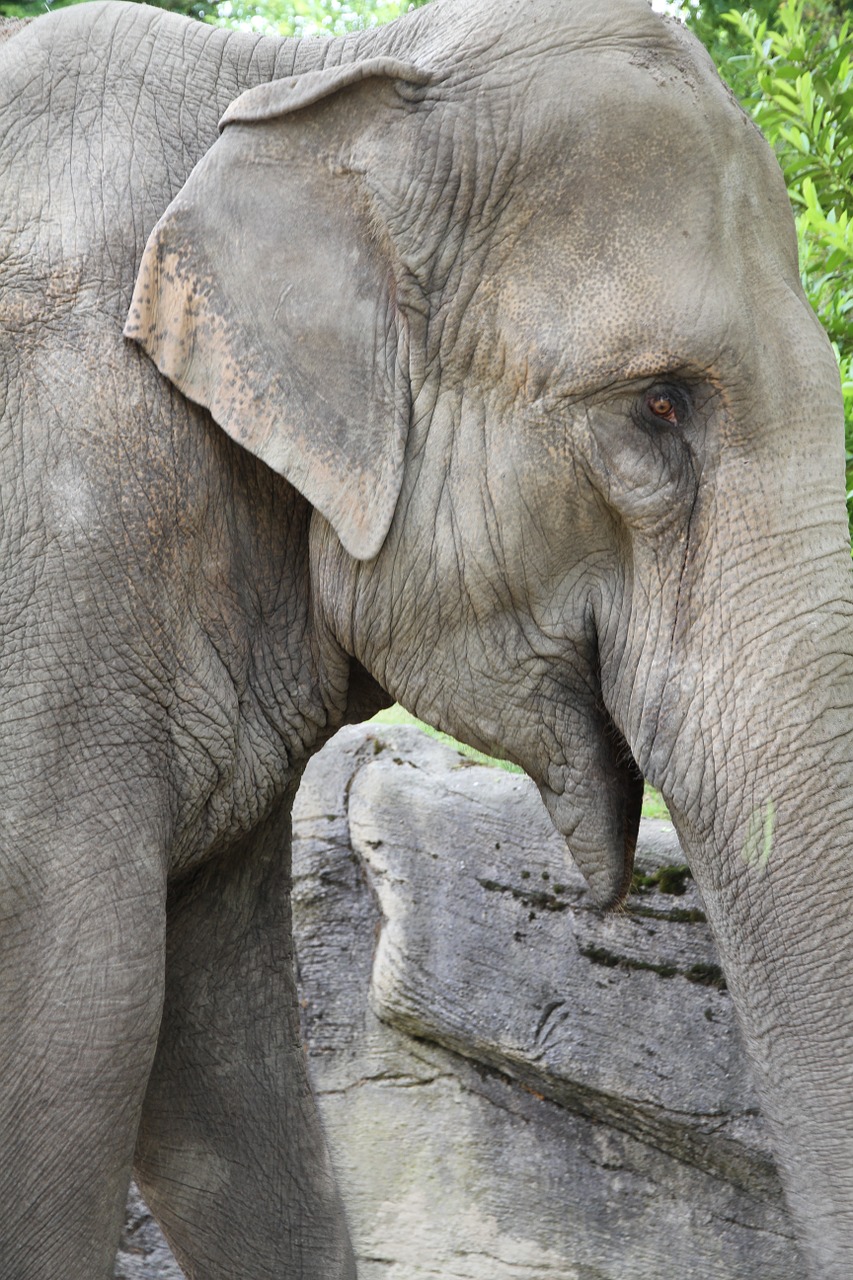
[{"x": 465, "y": 364}]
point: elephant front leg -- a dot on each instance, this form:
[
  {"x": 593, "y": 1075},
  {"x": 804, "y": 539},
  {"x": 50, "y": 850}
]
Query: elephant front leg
[
  {"x": 81, "y": 980},
  {"x": 231, "y": 1157}
]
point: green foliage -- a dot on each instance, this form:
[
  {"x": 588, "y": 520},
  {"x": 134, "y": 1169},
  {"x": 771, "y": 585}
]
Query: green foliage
[{"x": 705, "y": 18}]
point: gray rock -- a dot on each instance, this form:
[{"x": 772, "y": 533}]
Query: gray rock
[
  {"x": 513, "y": 1084},
  {"x": 143, "y": 1253}
]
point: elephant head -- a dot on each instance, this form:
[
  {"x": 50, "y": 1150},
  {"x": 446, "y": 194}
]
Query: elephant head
[{"x": 513, "y": 300}]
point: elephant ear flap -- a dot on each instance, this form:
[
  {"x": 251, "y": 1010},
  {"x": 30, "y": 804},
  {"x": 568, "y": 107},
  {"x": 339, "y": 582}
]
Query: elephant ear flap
[{"x": 267, "y": 293}]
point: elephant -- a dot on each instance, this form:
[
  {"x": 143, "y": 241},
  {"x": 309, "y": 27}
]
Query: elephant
[{"x": 462, "y": 362}]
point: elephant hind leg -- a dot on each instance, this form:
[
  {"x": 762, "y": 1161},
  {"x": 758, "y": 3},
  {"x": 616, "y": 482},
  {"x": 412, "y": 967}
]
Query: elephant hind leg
[{"x": 231, "y": 1157}]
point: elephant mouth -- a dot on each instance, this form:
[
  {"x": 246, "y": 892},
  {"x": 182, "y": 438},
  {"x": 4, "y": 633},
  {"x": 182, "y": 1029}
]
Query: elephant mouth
[
  {"x": 598, "y": 811},
  {"x": 627, "y": 793}
]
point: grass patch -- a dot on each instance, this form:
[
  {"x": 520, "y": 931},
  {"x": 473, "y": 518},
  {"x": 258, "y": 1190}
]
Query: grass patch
[{"x": 653, "y": 805}]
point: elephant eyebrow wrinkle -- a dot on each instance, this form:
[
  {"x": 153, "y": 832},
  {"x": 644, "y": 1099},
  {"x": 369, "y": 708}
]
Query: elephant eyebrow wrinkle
[{"x": 611, "y": 379}]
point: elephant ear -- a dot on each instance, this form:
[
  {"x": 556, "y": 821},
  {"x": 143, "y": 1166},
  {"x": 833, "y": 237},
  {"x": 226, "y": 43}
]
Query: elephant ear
[{"x": 268, "y": 294}]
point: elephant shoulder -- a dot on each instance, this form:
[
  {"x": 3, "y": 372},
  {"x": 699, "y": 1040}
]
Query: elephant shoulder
[
  {"x": 83, "y": 66},
  {"x": 102, "y": 118}
]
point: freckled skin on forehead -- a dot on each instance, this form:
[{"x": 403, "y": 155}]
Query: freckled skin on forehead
[{"x": 639, "y": 268}]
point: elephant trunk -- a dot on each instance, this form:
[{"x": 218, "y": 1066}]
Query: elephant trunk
[
  {"x": 777, "y": 891},
  {"x": 759, "y": 778}
]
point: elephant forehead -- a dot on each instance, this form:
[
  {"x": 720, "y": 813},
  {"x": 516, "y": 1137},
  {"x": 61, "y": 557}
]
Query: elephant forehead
[
  {"x": 576, "y": 320},
  {"x": 652, "y": 224}
]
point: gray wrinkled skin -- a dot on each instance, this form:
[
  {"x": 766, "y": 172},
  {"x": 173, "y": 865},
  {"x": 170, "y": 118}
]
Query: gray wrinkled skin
[{"x": 373, "y": 415}]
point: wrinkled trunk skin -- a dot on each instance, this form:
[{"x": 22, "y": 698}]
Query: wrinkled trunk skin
[
  {"x": 773, "y": 868},
  {"x": 779, "y": 908},
  {"x": 754, "y": 752}
]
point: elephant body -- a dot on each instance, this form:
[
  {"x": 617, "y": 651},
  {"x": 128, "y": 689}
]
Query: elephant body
[
  {"x": 126, "y": 516},
  {"x": 464, "y": 363}
]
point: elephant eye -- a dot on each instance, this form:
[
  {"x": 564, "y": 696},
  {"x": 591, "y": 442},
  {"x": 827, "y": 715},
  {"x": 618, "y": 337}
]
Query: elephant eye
[
  {"x": 663, "y": 407},
  {"x": 663, "y": 404}
]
